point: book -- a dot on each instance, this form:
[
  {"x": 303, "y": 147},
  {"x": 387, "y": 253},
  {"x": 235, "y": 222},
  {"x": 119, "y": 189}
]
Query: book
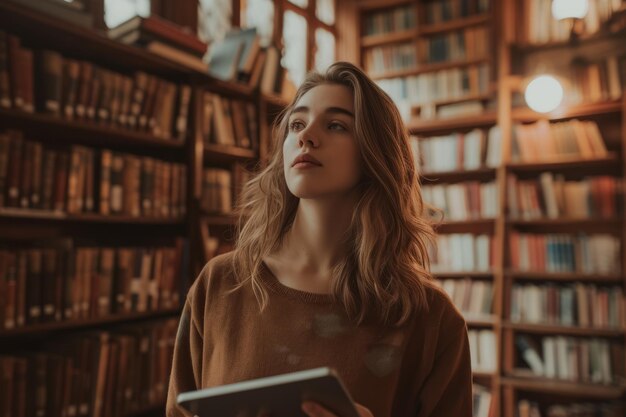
[
  {"x": 143, "y": 30},
  {"x": 176, "y": 55},
  {"x": 280, "y": 395}
]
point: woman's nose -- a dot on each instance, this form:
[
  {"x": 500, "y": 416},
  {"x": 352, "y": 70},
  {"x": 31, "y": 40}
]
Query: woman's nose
[{"x": 308, "y": 138}]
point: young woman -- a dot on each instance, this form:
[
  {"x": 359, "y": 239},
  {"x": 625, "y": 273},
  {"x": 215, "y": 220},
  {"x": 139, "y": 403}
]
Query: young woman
[{"x": 331, "y": 267}]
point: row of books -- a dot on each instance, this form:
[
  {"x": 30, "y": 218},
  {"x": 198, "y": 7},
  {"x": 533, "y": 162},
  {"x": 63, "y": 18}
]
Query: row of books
[
  {"x": 583, "y": 360},
  {"x": 85, "y": 180},
  {"x": 44, "y": 81},
  {"x": 458, "y": 151},
  {"x": 229, "y": 122},
  {"x": 103, "y": 374},
  {"x": 598, "y": 81},
  {"x": 540, "y": 27},
  {"x": 449, "y": 84},
  {"x": 462, "y": 252},
  {"x": 568, "y": 305},
  {"x": 381, "y": 59},
  {"x": 551, "y": 196},
  {"x": 467, "y": 44},
  {"x": 221, "y": 188},
  {"x": 60, "y": 281},
  {"x": 444, "y": 10},
  {"x": 527, "y": 408},
  {"x": 481, "y": 401},
  {"x": 217, "y": 191},
  {"x": 474, "y": 298},
  {"x": 463, "y": 201},
  {"x": 390, "y": 20},
  {"x": 545, "y": 141},
  {"x": 589, "y": 254},
  {"x": 483, "y": 350}
]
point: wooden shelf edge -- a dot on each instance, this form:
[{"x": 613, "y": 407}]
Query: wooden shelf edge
[
  {"x": 455, "y": 24},
  {"x": 369, "y": 41},
  {"x": 426, "y": 68},
  {"x": 431, "y": 126},
  {"x": 576, "y": 162},
  {"x": 219, "y": 219},
  {"x": 87, "y": 323},
  {"x": 31, "y": 214},
  {"x": 563, "y": 276},
  {"x": 275, "y": 100},
  {"x": 566, "y": 112},
  {"x": 378, "y": 4},
  {"x": 562, "y": 387},
  {"x": 460, "y": 275},
  {"x": 218, "y": 150},
  {"x": 552, "y": 329},
  {"x": 616, "y": 222},
  {"x": 91, "y": 129}
]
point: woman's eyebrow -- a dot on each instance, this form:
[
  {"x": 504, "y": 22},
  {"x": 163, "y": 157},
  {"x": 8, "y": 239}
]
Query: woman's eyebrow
[{"x": 340, "y": 110}]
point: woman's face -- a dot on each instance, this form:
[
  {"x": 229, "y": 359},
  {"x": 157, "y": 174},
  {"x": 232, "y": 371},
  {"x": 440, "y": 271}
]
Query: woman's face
[{"x": 321, "y": 127}]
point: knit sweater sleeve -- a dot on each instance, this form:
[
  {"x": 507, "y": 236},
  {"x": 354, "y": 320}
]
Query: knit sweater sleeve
[
  {"x": 187, "y": 360},
  {"x": 447, "y": 390}
]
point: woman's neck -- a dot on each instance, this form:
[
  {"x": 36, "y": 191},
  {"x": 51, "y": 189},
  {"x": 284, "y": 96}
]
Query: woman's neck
[{"x": 314, "y": 245}]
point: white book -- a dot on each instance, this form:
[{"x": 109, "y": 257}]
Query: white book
[{"x": 549, "y": 359}]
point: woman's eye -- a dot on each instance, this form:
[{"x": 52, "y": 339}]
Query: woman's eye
[
  {"x": 296, "y": 126},
  {"x": 336, "y": 126}
]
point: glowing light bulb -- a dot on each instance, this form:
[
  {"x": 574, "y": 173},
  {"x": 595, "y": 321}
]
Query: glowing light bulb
[
  {"x": 544, "y": 94},
  {"x": 565, "y": 9}
]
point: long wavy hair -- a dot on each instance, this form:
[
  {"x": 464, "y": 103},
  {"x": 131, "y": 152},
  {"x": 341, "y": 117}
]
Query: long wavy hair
[{"x": 386, "y": 273}]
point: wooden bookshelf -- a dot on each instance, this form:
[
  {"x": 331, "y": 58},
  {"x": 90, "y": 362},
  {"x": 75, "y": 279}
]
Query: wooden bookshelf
[
  {"x": 507, "y": 61},
  {"x": 40, "y": 31}
]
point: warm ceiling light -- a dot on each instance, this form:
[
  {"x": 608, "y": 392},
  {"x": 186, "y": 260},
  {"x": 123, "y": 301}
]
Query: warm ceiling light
[
  {"x": 566, "y": 9},
  {"x": 544, "y": 94}
]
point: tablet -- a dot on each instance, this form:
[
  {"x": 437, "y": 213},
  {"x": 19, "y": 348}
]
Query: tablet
[{"x": 279, "y": 396}]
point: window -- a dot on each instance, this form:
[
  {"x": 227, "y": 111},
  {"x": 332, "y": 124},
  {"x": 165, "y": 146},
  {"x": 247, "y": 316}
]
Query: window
[
  {"x": 294, "y": 37},
  {"x": 259, "y": 14},
  {"x": 325, "y": 11},
  {"x": 214, "y": 19},
  {"x": 119, "y": 11},
  {"x": 325, "y": 49},
  {"x": 308, "y": 36}
]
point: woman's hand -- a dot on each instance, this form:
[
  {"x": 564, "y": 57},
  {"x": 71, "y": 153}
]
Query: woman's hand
[{"x": 315, "y": 410}]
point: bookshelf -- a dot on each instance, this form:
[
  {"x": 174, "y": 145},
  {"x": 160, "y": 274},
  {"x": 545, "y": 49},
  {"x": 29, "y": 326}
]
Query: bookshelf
[
  {"x": 524, "y": 390},
  {"x": 420, "y": 52},
  {"x": 156, "y": 252},
  {"x": 514, "y": 53}
]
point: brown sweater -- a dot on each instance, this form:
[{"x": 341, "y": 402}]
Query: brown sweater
[{"x": 421, "y": 369}]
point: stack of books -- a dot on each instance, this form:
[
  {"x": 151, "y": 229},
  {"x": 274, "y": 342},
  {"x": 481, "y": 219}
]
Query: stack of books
[{"x": 163, "y": 38}]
